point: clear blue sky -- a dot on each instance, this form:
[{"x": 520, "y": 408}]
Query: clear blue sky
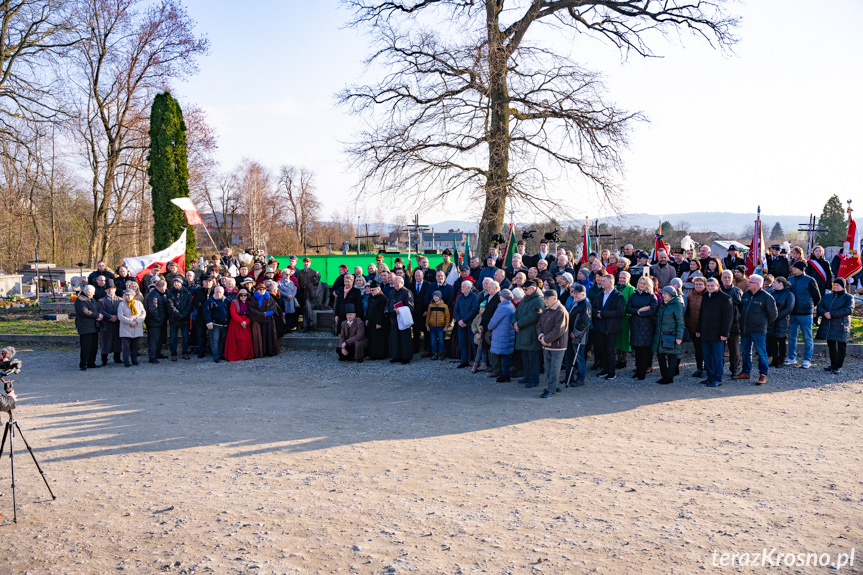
[{"x": 778, "y": 123}]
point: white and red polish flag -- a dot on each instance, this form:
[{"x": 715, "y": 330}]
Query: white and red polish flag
[
  {"x": 192, "y": 215},
  {"x": 139, "y": 266},
  {"x": 851, "y": 263}
]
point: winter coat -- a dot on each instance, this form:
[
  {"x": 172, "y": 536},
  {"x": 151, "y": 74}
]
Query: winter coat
[
  {"x": 715, "y": 317},
  {"x": 736, "y": 295},
  {"x": 466, "y": 308},
  {"x": 758, "y": 312},
  {"x": 622, "y": 343},
  {"x": 86, "y": 312},
  {"x": 157, "y": 308},
  {"x": 642, "y": 325},
  {"x": 806, "y": 294},
  {"x": 125, "y": 315},
  {"x": 824, "y": 283},
  {"x": 579, "y": 321},
  {"x": 839, "y": 306},
  {"x": 779, "y": 266},
  {"x": 107, "y": 306},
  {"x": 502, "y": 330},
  {"x": 669, "y": 321},
  {"x": 199, "y": 298},
  {"x": 784, "y": 304},
  {"x": 687, "y": 278},
  {"x": 288, "y": 291},
  {"x": 437, "y": 315},
  {"x": 554, "y": 325},
  {"x": 526, "y": 317},
  {"x": 446, "y": 294},
  {"x": 179, "y": 306},
  {"x": 663, "y": 274},
  {"x": 693, "y": 309},
  {"x": 612, "y": 312},
  {"x": 216, "y": 311}
]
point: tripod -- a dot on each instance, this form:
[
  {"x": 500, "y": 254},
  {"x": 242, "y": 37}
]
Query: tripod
[{"x": 11, "y": 426}]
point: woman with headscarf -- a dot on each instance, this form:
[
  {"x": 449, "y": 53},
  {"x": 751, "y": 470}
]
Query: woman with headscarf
[
  {"x": 238, "y": 343},
  {"x": 262, "y": 308},
  {"x": 669, "y": 334}
]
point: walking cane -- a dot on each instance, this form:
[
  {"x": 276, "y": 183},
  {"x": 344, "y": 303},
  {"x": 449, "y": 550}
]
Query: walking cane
[
  {"x": 574, "y": 362},
  {"x": 476, "y": 360}
]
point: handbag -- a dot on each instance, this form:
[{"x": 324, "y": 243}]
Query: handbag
[{"x": 668, "y": 341}]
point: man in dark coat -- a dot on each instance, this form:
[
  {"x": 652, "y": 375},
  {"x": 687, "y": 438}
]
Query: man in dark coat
[
  {"x": 152, "y": 277},
  {"x": 157, "y": 317},
  {"x": 179, "y": 303},
  {"x": 713, "y": 328},
  {"x": 608, "y": 309},
  {"x": 531, "y": 261},
  {"x": 446, "y": 291},
  {"x": 401, "y": 348},
  {"x": 732, "y": 344},
  {"x": 199, "y": 299},
  {"x": 101, "y": 270},
  {"x": 352, "y": 337},
  {"x": 579, "y": 325},
  {"x": 86, "y": 316},
  {"x": 304, "y": 276},
  {"x": 421, "y": 289},
  {"x": 107, "y": 306},
  {"x": 777, "y": 264},
  {"x": 122, "y": 278},
  {"x": 758, "y": 312},
  {"x": 377, "y": 323},
  {"x": 101, "y": 282},
  {"x": 806, "y": 299}
]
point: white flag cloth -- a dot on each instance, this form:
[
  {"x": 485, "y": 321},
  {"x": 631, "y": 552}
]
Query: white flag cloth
[
  {"x": 139, "y": 266},
  {"x": 192, "y": 215},
  {"x": 405, "y": 319}
]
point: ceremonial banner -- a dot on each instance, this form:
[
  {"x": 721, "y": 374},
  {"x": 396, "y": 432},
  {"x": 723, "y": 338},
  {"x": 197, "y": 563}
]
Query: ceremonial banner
[
  {"x": 192, "y": 215},
  {"x": 142, "y": 265},
  {"x": 851, "y": 263},
  {"x": 510, "y": 247},
  {"x": 453, "y": 273},
  {"x": 756, "y": 259},
  {"x": 585, "y": 244}
]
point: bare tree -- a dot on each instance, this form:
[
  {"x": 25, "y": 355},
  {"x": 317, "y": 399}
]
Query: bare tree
[
  {"x": 297, "y": 186},
  {"x": 131, "y": 51},
  {"x": 470, "y": 105},
  {"x": 254, "y": 184}
]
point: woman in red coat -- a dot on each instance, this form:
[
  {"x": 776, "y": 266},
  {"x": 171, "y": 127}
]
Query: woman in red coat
[{"x": 238, "y": 342}]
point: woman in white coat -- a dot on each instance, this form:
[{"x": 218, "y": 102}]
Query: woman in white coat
[{"x": 131, "y": 314}]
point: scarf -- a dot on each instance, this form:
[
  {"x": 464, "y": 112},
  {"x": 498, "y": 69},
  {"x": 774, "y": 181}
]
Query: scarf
[{"x": 133, "y": 306}]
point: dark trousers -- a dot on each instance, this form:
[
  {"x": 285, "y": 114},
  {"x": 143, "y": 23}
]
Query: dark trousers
[
  {"x": 699, "y": 352},
  {"x": 130, "y": 349},
  {"x": 465, "y": 344},
  {"x": 418, "y": 337},
  {"x": 532, "y": 361},
  {"x": 183, "y": 330},
  {"x": 217, "y": 340},
  {"x": 89, "y": 347},
  {"x": 155, "y": 340},
  {"x": 401, "y": 346},
  {"x": 668, "y": 363},
  {"x": 735, "y": 358},
  {"x": 714, "y": 354},
  {"x": 837, "y": 353},
  {"x": 604, "y": 350},
  {"x": 504, "y": 363},
  {"x": 202, "y": 338},
  {"x": 643, "y": 360}
]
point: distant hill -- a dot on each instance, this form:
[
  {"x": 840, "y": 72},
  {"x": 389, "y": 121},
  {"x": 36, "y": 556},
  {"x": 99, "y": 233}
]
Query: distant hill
[{"x": 720, "y": 222}]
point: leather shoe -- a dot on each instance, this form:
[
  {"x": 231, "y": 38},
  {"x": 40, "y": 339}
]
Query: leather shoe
[
  {"x": 762, "y": 379},
  {"x": 185, "y": 356},
  {"x": 154, "y": 361},
  {"x": 714, "y": 384},
  {"x": 705, "y": 382},
  {"x": 665, "y": 381},
  {"x": 504, "y": 379},
  {"x": 577, "y": 384},
  {"x": 426, "y": 354},
  {"x": 545, "y": 394},
  {"x": 741, "y": 376},
  {"x": 173, "y": 358},
  {"x": 462, "y": 365},
  {"x": 83, "y": 369}
]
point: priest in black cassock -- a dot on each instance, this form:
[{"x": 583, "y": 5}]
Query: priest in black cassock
[
  {"x": 401, "y": 346},
  {"x": 377, "y": 323}
]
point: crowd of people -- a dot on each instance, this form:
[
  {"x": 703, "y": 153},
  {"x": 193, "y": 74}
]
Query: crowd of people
[{"x": 544, "y": 313}]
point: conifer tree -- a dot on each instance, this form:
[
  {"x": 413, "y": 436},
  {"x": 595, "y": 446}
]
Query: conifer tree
[{"x": 833, "y": 219}]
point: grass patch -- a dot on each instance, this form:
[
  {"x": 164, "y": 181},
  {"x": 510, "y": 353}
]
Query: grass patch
[
  {"x": 856, "y": 329},
  {"x": 37, "y": 327}
]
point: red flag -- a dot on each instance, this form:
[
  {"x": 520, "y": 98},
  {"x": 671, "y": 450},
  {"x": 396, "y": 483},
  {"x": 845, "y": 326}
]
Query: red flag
[
  {"x": 756, "y": 258},
  {"x": 142, "y": 265},
  {"x": 658, "y": 244},
  {"x": 192, "y": 215},
  {"x": 585, "y": 243},
  {"x": 851, "y": 263}
]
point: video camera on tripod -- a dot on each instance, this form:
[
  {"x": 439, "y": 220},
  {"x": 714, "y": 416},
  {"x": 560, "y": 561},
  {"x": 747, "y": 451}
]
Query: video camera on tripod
[
  {"x": 554, "y": 236},
  {"x": 8, "y": 366}
]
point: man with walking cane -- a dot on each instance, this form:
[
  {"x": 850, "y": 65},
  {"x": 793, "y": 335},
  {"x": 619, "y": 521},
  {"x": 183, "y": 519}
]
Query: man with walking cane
[{"x": 579, "y": 327}]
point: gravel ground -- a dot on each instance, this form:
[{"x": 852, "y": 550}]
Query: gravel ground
[{"x": 302, "y": 464}]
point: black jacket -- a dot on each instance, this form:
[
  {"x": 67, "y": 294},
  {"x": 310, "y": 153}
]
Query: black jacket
[
  {"x": 730, "y": 263},
  {"x": 758, "y": 312},
  {"x": 157, "y": 309},
  {"x": 778, "y": 266},
  {"x": 579, "y": 321},
  {"x": 355, "y": 297},
  {"x": 199, "y": 298},
  {"x": 421, "y": 299},
  {"x": 612, "y": 312},
  {"x": 642, "y": 325},
  {"x": 376, "y": 312},
  {"x": 86, "y": 312},
  {"x": 716, "y": 317},
  {"x": 179, "y": 306},
  {"x": 736, "y": 295}
]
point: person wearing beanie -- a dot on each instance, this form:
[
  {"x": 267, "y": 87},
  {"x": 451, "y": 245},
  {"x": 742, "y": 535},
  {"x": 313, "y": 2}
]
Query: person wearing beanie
[
  {"x": 437, "y": 321},
  {"x": 806, "y": 299},
  {"x": 836, "y": 309},
  {"x": 669, "y": 334},
  {"x": 777, "y": 334},
  {"x": 757, "y": 313},
  {"x": 503, "y": 334}
]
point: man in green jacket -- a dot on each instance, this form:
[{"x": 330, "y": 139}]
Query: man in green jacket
[{"x": 525, "y": 320}]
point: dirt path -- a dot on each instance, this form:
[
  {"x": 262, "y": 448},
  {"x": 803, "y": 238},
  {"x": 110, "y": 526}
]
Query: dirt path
[{"x": 298, "y": 464}]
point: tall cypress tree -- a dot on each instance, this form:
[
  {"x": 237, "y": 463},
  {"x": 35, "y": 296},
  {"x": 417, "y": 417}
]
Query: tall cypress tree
[
  {"x": 169, "y": 174},
  {"x": 833, "y": 218}
]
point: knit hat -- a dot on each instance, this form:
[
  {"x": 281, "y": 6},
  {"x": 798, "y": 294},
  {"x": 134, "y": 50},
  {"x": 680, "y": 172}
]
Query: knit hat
[
  {"x": 517, "y": 294},
  {"x": 840, "y": 281},
  {"x": 740, "y": 269},
  {"x": 670, "y": 291},
  {"x": 177, "y": 279},
  {"x": 437, "y": 293},
  {"x": 506, "y": 294},
  {"x": 799, "y": 265},
  {"x": 567, "y": 276}
]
